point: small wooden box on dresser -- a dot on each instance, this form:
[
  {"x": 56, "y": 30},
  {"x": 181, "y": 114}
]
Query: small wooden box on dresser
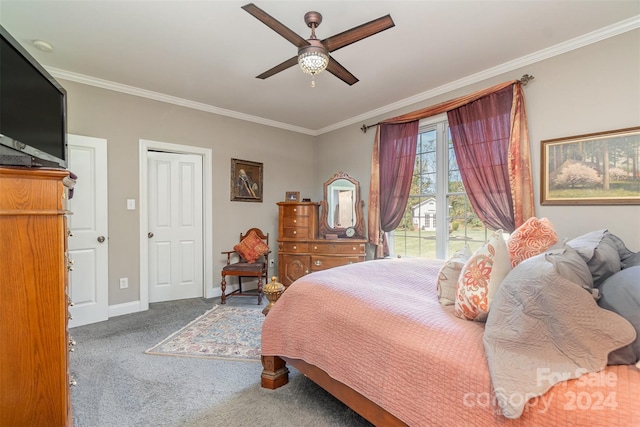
[
  {"x": 301, "y": 251},
  {"x": 34, "y": 359}
]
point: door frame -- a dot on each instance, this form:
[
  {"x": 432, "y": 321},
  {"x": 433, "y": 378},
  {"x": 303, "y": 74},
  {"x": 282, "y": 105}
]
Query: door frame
[{"x": 207, "y": 215}]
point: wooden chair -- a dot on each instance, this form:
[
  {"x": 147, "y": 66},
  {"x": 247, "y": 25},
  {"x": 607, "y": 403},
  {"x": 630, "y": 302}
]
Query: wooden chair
[{"x": 255, "y": 238}]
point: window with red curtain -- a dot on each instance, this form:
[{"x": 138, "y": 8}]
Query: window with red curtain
[{"x": 494, "y": 132}]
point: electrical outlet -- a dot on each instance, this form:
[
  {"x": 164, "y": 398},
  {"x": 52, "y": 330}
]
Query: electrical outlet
[
  {"x": 272, "y": 262},
  {"x": 124, "y": 283}
]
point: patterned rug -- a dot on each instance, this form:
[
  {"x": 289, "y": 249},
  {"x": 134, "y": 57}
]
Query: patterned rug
[{"x": 224, "y": 332}]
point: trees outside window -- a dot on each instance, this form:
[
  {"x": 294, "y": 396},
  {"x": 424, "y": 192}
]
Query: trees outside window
[{"x": 438, "y": 218}]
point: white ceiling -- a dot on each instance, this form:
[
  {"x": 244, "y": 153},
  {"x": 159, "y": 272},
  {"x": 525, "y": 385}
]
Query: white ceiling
[{"x": 206, "y": 54}]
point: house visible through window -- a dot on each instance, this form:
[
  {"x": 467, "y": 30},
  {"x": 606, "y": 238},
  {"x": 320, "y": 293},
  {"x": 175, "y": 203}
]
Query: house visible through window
[{"x": 438, "y": 219}]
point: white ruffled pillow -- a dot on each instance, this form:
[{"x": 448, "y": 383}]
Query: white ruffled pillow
[{"x": 449, "y": 274}]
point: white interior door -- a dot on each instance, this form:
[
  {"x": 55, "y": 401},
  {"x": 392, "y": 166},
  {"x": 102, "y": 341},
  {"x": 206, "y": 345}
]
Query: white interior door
[
  {"x": 88, "y": 243},
  {"x": 175, "y": 226}
]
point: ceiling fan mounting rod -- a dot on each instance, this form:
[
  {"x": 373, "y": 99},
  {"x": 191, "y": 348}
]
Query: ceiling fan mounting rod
[{"x": 313, "y": 19}]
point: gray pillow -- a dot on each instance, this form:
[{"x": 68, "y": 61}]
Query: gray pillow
[
  {"x": 631, "y": 260},
  {"x": 570, "y": 265},
  {"x": 623, "y": 251},
  {"x": 620, "y": 293},
  {"x": 600, "y": 253}
]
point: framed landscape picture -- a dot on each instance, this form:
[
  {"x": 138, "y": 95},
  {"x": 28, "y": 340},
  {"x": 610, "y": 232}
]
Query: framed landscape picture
[{"x": 594, "y": 169}]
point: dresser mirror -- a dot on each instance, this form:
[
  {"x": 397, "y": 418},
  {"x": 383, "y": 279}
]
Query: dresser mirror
[{"x": 341, "y": 207}]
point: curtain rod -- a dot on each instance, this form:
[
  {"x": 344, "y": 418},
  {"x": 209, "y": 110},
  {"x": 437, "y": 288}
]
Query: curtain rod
[{"x": 524, "y": 80}]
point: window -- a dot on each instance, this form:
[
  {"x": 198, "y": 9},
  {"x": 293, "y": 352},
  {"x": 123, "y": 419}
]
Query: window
[{"x": 438, "y": 219}]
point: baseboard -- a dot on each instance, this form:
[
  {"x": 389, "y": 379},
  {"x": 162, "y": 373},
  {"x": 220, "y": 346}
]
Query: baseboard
[
  {"x": 126, "y": 308},
  {"x": 215, "y": 292}
]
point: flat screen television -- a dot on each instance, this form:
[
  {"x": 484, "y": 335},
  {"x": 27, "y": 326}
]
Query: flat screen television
[{"x": 33, "y": 119}]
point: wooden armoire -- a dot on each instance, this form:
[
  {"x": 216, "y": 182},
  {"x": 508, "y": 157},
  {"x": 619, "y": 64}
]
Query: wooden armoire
[
  {"x": 301, "y": 251},
  {"x": 34, "y": 340}
]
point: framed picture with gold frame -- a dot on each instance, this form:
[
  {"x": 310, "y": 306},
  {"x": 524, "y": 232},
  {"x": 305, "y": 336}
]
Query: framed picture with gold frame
[
  {"x": 246, "y": 181},
  {"x": 593, "y": 169},
  {"x": 292, "y": 196}
]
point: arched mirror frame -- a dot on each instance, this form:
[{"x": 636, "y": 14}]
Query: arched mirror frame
[{"x": 325, "y": 228}]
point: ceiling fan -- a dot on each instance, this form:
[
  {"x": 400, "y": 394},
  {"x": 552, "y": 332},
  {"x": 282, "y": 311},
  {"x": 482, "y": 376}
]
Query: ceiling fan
[{"x": 313, "y": 54}]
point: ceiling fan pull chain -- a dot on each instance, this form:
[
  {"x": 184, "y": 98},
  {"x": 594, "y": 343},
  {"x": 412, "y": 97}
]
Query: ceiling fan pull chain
[{"x": 313, "y": 80}]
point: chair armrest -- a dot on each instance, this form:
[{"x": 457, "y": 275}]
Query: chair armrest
[{"x": 228, "y": 253}]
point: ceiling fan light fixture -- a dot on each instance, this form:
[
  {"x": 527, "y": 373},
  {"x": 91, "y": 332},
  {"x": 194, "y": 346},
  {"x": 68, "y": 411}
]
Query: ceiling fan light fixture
[{"x": 313, "y": 59}]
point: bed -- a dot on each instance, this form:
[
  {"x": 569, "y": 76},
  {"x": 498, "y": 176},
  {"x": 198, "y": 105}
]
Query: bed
[{"x": 376, "y": 336}]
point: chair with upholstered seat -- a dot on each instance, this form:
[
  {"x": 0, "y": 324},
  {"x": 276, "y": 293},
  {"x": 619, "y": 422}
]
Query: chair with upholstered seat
[{"x": 252, "y": 254}]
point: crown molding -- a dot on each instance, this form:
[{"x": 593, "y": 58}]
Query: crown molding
[
  {"x": 575, "y": 43},
  {"x": 157, "y": 96},
  {"x": 621, "y": 27}
]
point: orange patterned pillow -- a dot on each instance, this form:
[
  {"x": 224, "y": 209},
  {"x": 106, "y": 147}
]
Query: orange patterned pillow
[
  {"x": 531, "y": 238},
  {"x": 251, "y": 247},
  {"x": 480, "y": 278}
]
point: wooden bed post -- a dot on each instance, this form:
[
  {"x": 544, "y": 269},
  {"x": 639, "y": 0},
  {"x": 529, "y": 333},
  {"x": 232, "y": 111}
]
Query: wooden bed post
[{"x": 274, "y": 372}]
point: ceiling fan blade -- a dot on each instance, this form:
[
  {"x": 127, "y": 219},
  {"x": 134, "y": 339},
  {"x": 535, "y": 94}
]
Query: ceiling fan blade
[
  {"x": 340, "y": 72},
  {"x": 275, "y": 25},
  {"x": 280, "y": 67},
  {"x": 358, "y": 33}
]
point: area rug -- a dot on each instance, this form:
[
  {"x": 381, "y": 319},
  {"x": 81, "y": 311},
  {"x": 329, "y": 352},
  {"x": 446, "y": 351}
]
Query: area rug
[{"x": 224, "y": 332}]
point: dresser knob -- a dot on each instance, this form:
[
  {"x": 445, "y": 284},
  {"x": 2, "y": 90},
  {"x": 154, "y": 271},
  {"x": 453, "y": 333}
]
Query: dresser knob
[
  {"x": 315, "y": 247},
  {"x": 295, "y": 247},
  {"x": 295, "y": 221},
  {"x": 295, "y": 232},
  {"x": 354, "y": 248},
  {"x": 295, "y": 210},
  {"x": 318, "y": 262}
]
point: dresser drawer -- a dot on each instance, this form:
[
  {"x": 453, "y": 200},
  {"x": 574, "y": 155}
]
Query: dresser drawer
[
  {"x": 297, "y": 210},
  {"x": 296, "y": 221},
  {"x": 319, "y": 262},
  {"x": 294, "y": 247},
  {"x": 296, "y": 233},
  {"x": 338, "y": 248}
]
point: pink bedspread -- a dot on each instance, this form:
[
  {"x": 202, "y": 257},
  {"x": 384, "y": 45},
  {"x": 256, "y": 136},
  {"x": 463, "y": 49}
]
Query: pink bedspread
[{"x": 377, "y": 326}]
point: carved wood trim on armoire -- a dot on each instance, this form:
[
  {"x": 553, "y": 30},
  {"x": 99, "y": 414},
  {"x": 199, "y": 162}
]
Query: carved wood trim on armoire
[{"x": 34, "y": 349}]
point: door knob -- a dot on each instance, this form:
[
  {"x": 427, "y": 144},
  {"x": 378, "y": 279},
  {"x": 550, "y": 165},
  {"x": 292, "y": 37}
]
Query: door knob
[
  {"x": 149, "y": 234},
  {"x": 100, "y": 239}
]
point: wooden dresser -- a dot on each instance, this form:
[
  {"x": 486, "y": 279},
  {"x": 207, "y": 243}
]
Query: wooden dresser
[
  {"x": 34, "y": 372},
  {"x": 301, "y": 251}
]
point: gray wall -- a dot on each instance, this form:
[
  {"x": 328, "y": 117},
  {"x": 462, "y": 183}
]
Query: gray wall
[
  {"x": 592, "y": 89},
  {"x": 288, "y": 157}
]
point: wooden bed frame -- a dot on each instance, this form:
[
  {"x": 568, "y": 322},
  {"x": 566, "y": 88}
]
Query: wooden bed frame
[{"x": 276, "y": 374}]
